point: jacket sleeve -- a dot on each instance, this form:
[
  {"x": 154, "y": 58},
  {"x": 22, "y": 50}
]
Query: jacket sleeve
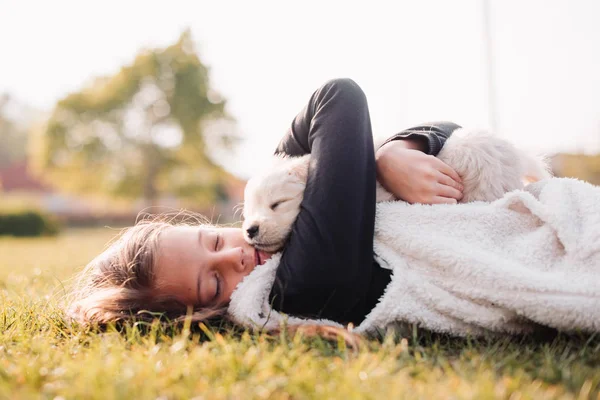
[
  {"x": 433, "y": 135},
  {"x": 327, "y": 266}
]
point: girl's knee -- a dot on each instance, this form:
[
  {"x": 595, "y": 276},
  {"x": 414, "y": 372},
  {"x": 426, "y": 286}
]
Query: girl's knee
[
  {"x": 344, "y": 96},
  {"x": 345, "y": 87}
]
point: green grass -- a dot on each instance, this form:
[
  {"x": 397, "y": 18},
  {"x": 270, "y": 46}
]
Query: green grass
[{"x": 41, "y": 356}]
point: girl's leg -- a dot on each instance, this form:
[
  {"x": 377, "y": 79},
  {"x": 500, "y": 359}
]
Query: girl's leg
[{"x": 327, "y": 266}]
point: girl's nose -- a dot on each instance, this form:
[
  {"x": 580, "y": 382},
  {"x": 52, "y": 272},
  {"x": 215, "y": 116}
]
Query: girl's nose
[{"x": 234, "y": 257}]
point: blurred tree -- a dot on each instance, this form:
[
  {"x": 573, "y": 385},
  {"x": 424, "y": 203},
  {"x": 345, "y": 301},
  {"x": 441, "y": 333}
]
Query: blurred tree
[
  {"x": 13, "y": 137},
  {"x": 139, "y": 133}
]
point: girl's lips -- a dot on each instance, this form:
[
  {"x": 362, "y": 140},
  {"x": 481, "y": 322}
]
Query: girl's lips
[
  {"x": 264, "y": 256},
  {"x": 261, "y": 257}
]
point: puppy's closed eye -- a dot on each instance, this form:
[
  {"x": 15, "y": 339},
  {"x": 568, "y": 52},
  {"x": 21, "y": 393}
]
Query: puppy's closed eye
[{"x": 277, "y": 204}]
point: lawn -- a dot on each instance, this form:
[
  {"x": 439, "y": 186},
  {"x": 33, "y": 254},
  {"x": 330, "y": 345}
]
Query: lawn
[{"x": 44, "y": 356}]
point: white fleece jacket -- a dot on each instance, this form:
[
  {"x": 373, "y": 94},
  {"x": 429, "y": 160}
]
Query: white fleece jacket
[{"x": 532, "y": 256}]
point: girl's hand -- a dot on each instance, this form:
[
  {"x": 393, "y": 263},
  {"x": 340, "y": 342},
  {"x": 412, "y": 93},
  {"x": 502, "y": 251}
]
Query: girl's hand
[{"x": 416, "y": 177}]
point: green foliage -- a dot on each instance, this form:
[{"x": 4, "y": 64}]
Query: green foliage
[
  {"x": 139, "y": 133},
  {"x": 43, "y": 355},
  {"x": 28, "y": 223}
]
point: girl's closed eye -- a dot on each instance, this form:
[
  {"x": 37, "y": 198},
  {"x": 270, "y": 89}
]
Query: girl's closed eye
[
  {"x": 218, "y": 241},
  {"x": 217, "y": 287}
]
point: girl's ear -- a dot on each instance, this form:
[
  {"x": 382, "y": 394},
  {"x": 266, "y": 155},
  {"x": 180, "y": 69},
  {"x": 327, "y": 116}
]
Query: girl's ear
[{"x": 299, "y": 167}]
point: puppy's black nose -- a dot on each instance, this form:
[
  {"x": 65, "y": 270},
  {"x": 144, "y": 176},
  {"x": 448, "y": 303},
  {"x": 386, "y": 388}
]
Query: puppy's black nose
[{"x": 252, "y": 231}]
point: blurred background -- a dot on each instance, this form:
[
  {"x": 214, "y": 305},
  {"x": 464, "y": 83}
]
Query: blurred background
[{"x": 110, "y": 108}]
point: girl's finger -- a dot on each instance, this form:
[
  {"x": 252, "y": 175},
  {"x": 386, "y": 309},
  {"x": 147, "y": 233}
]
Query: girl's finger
[
  {"x": 448, "y": 191},
  {"x": 443, "y": 200},
  {"x": 448, "y": 181},
  {"x": 447, "y": 170}
]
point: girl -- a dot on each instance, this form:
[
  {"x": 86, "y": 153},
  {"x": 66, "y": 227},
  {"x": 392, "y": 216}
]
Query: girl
[{"x": 327, "y": 268}]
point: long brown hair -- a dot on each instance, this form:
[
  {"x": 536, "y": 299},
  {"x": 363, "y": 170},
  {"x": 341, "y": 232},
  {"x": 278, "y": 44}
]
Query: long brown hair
[{"x": 118, "y": 284}]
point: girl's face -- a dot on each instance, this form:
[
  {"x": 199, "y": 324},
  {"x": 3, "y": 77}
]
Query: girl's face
[{"x": 201, "y": 266}]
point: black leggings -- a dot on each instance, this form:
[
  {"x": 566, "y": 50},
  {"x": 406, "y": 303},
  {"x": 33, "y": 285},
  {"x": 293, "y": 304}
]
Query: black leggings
[{"x": 327, "y": 265}]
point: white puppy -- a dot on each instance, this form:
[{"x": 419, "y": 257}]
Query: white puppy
[
  {"x": 489, "y": 167},
  {"x": 272, "y": 202}
]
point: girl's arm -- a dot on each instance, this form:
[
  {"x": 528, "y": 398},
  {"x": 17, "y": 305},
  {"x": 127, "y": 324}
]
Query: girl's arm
[
  {"x": 408, "y": 168},
  {"x": 429, "y": 137}
]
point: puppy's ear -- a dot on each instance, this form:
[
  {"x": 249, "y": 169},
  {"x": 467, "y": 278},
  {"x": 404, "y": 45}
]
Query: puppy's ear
[{"x": 299, "y": 167}]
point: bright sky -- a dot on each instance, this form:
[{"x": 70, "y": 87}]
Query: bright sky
[{"x": 417, "y": 61}]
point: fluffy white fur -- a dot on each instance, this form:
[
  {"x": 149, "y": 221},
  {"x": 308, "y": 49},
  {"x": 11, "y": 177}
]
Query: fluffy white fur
[
  {"x": 272, "y": 201},
  {"x": 489, "y": 167},
  {"x": 531, "y": 257}
]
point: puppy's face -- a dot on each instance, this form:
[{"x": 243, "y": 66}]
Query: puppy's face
[{"x": 272, "y": 203}]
